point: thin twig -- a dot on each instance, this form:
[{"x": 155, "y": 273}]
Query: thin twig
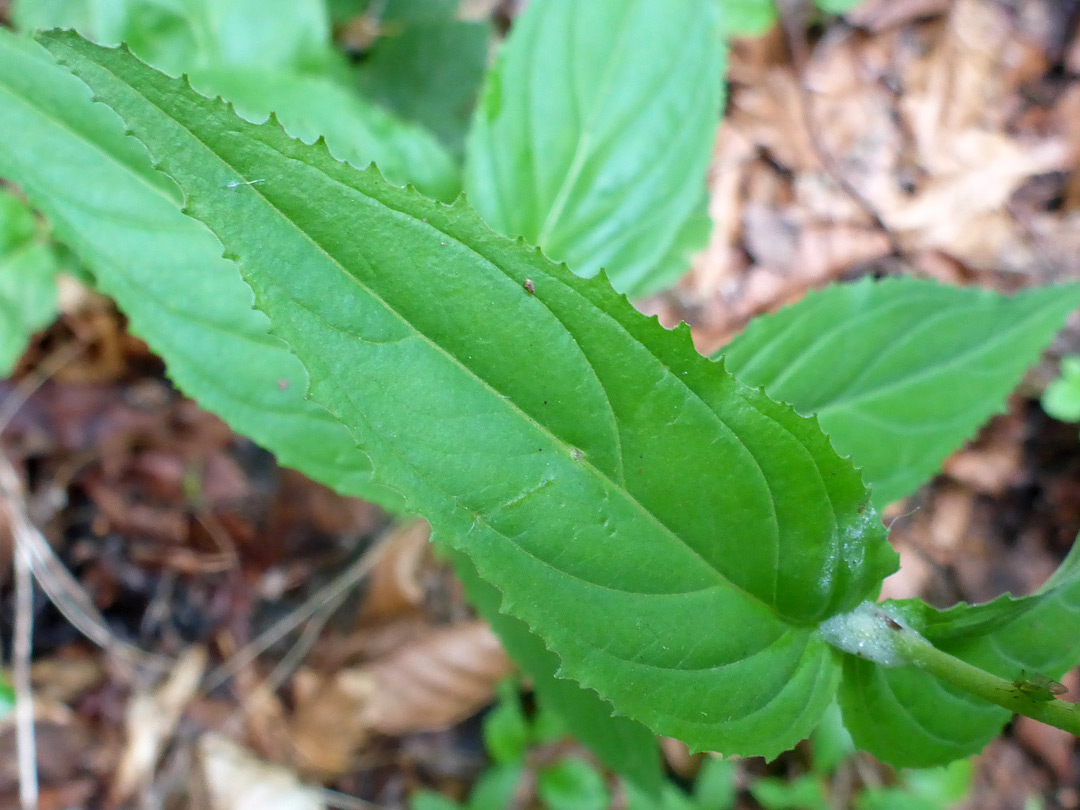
[
  {"x": 342, "y": 801},
  {"x": 56, "y": 581},
  {"x": 330, "y": 594},
  {"x": 21, "y": 654},
  {"x": 289, "y": 664},
  {"x": 73, "y": 602}
]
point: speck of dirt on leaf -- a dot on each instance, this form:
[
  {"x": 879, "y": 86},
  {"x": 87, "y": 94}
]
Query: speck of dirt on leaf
[{"x": 529, "y": 286}]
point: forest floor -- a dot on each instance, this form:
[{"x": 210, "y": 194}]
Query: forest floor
[{"x": 208, "y": 621}]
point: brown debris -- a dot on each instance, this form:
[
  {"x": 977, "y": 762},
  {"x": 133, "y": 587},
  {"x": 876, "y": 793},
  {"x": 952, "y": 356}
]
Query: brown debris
[{"x": 426, "y": 685}]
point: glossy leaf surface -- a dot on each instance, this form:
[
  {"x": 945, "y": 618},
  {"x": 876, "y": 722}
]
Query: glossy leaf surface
[
  {"x": 567, "y": 489},
  {"x": 594, "y": 134},
  {"x": 356, "y": 130},
  {"x": 899, "y": 372},
  {"x": 193, "y": 308}
]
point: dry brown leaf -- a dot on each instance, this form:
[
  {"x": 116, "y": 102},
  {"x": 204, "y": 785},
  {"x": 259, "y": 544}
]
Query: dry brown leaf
[
  {"x": 722, "y": 259},
  {"x": 826, "y": 251},
  {"x": 442, "y": 678},
  {"x": 770, "y": 115},
  {"x": 238, "y": 780},
  {"x": 151, "y": 719},
  {"x": 436, "y": 682},
  {"x": 1052, "y": 745},
  {"x": 878, "y": 15},
  {"x": 63, "y": 679},
  {"x": 1067, "y": 113},
  {"x": 395, "y": 584},
  {"x": 327, "y": 728},
  {"x": 995, "y": 462}
]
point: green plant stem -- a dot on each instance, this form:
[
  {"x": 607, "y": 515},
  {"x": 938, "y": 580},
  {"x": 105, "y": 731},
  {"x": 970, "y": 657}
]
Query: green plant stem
[{"x": 916, "y": 649}]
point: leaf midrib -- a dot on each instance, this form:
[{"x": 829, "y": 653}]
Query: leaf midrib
[{"x": 258, "y": 191}]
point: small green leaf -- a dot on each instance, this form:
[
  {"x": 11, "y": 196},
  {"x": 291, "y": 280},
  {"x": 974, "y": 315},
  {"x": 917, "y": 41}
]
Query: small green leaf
[
  {"x": 506, "y": 729},
  {"x": 927, "y": 789},
  {"x": 567, "y": 488},
  {"x": 182, "y": 35},
  {"x": 801, "y": 793},
  {"x": 572, "y": 784},
  {"x": 830, "y": 744},
  {"x": 7, "y": 697},
  {"x": 1062, "y": 397},
  {"x": 430, "y": 800},
  {"x": 28, "y": 269},
  {"x": 747, "y": 18},
  {"x": 947, "y": 784},
  {"x": 908, "y": 718},
  {"x": 496, "y": 788},
  {"x": 671, "y": 798},
  {"x": 836, "y": 6},
  {"x": 595, "y": 132},
  {"x": 715, "y": 787},
  {"x": 899, "y": 372}
]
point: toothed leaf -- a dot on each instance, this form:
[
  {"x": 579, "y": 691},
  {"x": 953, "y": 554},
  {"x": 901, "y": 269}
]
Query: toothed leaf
[
  {"x": 98, "y": 189},
  {"x": 355, "y": 129},
  {"x": 673, "y": 536},
  {"x": 909, "y": 718},
  {"x": 899, "y": 372},
  {"x": 594, "y": 133},
  {"x": 621, "y": 743},
  {"x": 192, "y": 307}
]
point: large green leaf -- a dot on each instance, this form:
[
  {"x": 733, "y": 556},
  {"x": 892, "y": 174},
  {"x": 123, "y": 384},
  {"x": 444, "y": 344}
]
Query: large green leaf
[
  {"x": 929, "y": 722},
  {"x": 900, "y": 372},
  {"x": 356, "y": 130},
  {"x": 263, "y": 60},
  {"x": 192, "y": 307},
  {"x": 103, "y": 198},
  {"x": 595, "y": 130},
  {"x": 28, "y": 270},
  {"x": 630, "y": 486}
]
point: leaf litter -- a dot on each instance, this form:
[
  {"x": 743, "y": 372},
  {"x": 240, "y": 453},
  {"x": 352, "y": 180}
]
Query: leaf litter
[{"x": 934, "y": 137}]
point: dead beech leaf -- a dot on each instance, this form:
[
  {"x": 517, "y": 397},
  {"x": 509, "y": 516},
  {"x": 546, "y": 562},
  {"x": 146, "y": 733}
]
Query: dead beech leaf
[
  {"x": 395, "y": 584},
  {"x": 428, "y": 685},
  {"x": 238, "y": 780},
  {"x": 436, "y": 682}
]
